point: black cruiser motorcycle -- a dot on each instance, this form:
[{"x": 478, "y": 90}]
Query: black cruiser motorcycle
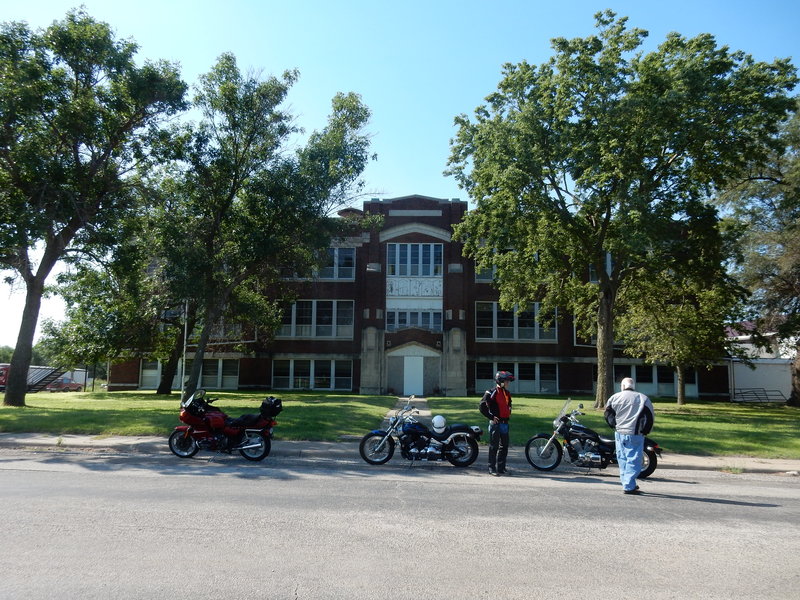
[
  {"x": 457, "y": 444},
  {"x": 584, "y": 447}
]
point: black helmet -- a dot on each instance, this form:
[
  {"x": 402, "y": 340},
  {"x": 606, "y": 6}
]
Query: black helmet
[{"x": 502, "y": 376}]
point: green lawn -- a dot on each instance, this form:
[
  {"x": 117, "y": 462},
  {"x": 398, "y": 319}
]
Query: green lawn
[{"x": 702, "y": 428}]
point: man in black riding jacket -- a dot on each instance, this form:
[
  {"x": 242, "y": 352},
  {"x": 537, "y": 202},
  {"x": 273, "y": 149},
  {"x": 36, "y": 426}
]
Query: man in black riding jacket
[{"x": 496, "y": 406}]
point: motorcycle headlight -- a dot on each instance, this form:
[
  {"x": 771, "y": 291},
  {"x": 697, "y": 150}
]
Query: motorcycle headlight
[
  {"x": 392, "y": 421},
  {"x": 556, "y": 424}
]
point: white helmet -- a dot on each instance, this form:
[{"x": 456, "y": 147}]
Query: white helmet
[{"x": 439, "y": 423}]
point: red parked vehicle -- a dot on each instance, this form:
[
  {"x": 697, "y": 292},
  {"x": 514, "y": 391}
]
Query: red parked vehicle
[
  {"x": 208, "y": 428},
  {"x": 65, "y": 385}
]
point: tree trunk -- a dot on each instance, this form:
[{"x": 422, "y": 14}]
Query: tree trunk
[
  {"x": 209, "y": 318},
  {"x": 17, "y": 384},
  {"x": 681, "y": 371},
  {"x": 605, "y": 350},
  {"x": 794, "y": 396},
  {"x": 171, "y": 366}
]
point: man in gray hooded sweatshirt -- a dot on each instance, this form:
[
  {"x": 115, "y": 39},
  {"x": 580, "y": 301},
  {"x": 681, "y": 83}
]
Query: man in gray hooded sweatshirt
[{"x": 631, "y": 415}]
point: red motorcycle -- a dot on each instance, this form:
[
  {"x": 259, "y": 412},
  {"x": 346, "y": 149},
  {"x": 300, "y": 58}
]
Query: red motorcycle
[{"x": 208, "y": 428}]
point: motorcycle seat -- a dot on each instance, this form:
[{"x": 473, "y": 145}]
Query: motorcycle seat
[
  {"x": 607, "y": 440},
  {"x": 244, "y": 421},
  {"x": 450, "y": 430}
]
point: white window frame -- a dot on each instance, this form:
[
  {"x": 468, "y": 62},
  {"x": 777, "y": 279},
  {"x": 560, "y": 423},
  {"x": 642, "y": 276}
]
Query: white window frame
[
  {"x": 341, "y": 325},
  {"x": 414, "y": 260},
  {"x": 513, "y": 331}
]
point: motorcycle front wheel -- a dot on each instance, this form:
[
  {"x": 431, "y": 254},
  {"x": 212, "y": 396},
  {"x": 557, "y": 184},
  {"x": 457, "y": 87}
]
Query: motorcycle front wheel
[
  {"x": 182, "y": 445},
  {"x": 462, "y": 452},
  {"x": 371, "y": 450},
  {"x": 261, "y": 446},
  {"x": 541, "y": 459},
  {"x": 649, "y": 464}
]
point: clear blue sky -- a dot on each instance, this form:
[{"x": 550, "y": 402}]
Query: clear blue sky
[{"x": 416, "y": 63}]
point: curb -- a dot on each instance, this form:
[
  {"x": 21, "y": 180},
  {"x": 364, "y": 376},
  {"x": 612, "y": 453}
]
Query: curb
[{"x": 346, "y": 450}]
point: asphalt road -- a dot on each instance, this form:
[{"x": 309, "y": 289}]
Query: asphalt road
[{"x": 93, "y": 525}]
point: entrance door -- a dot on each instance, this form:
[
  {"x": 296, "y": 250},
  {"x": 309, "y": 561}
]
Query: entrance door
[{"x": 412, "y": 375}]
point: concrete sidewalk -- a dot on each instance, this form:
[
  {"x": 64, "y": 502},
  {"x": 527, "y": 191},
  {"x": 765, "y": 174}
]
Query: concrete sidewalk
[{"x": 346, "y": 450}]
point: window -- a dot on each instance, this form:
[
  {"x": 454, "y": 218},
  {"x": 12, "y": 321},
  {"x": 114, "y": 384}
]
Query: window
[
  {"x": 493, "y": 323},
  {"x": 344, "y": 318},
  {"x": 318, "y": 318},
  {"x": 324, "y": 318},
  {"x": 343, "y": 375},
  {"x": 484, "y": 370},
  {"x": 414, "y": 260},
  {"x": 339, "y": 264},
  {"x": 422, "y": 319},
  {"x": 301, "y": 375},
  {"x": 526, "y": 372},
  {"x": 209, "y": 373},
  {"x": 281, "y": 373},
  {"x": 322, "y": 374},
  {"x": 304, "y": 317},
  {"x": 485, "y": 275},
  {"x": 621, "y": 372},
  {"x": 312, "y": 374},
  {"x": 644, "y": 374},
  {"x": 530, "y": 378},
  {"x": 665, "y": 374}
]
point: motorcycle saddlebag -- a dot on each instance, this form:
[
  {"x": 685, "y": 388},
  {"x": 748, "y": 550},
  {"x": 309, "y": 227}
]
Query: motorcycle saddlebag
[
  {"x": 215, "y": 420},
  {"x": 271, "y": 407}
]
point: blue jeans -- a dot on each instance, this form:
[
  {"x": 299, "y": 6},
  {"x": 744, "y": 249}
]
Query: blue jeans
[
  {"x": 630, "y": 450},
  {"x": 498, "y": 445}
]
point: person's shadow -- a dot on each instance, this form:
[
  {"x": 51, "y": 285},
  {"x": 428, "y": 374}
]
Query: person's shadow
[{"x": 710, "y": 500}]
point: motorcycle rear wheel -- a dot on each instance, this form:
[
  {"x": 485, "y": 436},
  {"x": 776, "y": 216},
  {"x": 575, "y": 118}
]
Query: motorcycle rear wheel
[
  {"x": 368, "y": 448},
  {"x": 251, "y": 439},
  {"x": 649, "y": 464},
  {"x": 547, "y": 461},
  {"x": 466, "y": 450},
  {"x": 182, "y": 445}
]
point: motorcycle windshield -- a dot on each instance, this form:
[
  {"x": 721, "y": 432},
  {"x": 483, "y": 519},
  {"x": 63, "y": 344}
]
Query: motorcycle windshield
[
  {"x": 198, "y": 395},
  {"x": 564, "y": 408}
]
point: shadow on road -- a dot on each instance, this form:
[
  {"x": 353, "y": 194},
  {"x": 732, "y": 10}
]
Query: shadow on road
[{"x": 710, "y": 500}]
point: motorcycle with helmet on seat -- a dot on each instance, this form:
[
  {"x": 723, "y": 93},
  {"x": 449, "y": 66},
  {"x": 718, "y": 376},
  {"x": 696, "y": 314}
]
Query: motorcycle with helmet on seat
[{"x": 457, "y": 444}]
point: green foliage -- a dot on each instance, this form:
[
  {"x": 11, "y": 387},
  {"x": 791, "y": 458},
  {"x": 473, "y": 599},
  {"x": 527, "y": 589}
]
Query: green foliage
[
  {"x": 77, "y": 117},
  {"x": 678, "y": 321},
  {"x": 766, "y": 209},
  {"x": 244, "y": 209},
  {"x": 602, "y": 151}
]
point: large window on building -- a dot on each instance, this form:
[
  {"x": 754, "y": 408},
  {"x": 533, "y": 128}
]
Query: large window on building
[
  {"x": 494, "y": 323},
  {"x": 530, "y": 377},
  {"x": 312, "y": 374},
  {"x": 340, "y": 264},
  {"x": 414, "y": 260},
  {"x": 318, "y": 319},
  {"x": 421, "y": 319}
]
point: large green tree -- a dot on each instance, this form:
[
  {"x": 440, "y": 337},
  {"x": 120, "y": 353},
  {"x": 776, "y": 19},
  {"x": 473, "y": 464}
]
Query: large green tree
[
  {"x": 600, "y": 161},
  {"x": 767, "y": 203},
  {"x": 77, "y": 116},
  {"x": 678, "y": 321},
  {"x": 246, "y": 206}
]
